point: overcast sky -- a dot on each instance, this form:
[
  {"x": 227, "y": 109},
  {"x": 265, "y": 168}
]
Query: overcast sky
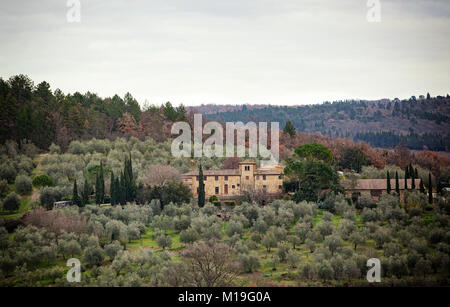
[{"x": 231, "y": 51}]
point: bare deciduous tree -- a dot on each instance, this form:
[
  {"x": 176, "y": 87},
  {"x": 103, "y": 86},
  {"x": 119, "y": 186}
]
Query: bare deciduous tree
[
  {"x": 210, "y": 264},
  {"x": 159, "y": 174}
]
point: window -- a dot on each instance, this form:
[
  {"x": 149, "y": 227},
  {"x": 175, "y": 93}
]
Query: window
[
  {"x": 246, "y": 177},
  {"x": 198, "y": 189},
  {"x": 217, "y": 190},
  {"x": 280, "y": 187},
  {"x": 216, "y": 178},
  {"x": 204, "y": 178},
  {"x": 247, "y": 168},
  {"x": 225, "y": 189},
  {"x": 264, "y": 177},
  {"x": 238, "y": 185},
  {"x": 226, "y": 177},
  {"x": 233, "y": 186},
  {"x": 264, "y": 189},
  {"x": 198, "y": 179}
]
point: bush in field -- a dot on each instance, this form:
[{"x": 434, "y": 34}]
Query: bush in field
[
  {"x": 302, "y": 230},
  {"x": 325, "y": 271},
  {"x": 49, "y": 195},
  {"x": 4, "y": 238},
  {"x": 164, "y": 241},
  {"x": 112, "y": 249},
  {"x": 381, "y": 236},
  {"x": 269, "y": 241},
  {"x": 293, "y": 258},
  {"x": 282, "y": 251},
  {"x": 311, "y": 245},
  {"x": 4, "y": 188},
  {"x": 42, "y": 181},
  {"x": 307, "y": 271},
  {"x": 333, "y": 243},
  {"x": 249, "y": 262},
  {"x": 93, "y": 255},
  {"x": 234, "y": 228},
  {"x": 189, "y": 236},
  {"x": 325, "y": 228},
  {"x": 11, "y": 202},
  {"x": 54, "y": 149},
  {"x": 23, "y": 185},
  {"x": 7, "y": 172}
]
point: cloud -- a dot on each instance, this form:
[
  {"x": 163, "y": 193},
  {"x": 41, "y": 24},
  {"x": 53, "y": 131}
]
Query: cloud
[{"x": 199, "y": 51}]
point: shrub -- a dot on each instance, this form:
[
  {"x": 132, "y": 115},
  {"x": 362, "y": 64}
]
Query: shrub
[
  {"x": 94, "y": 255},
  {"x": 164, "y": 241},
  {"x": 4, "y": 188},
  {"x": 23, "y": 185},
  {"x": 7, "y": 172},
  {"x": 54, "y": 149},
  {"x": 49, "y": 195},
  {"x": 42, "y": 181},
  {"x": 11, "y": 202},
  {"x": 249, "y": 262}
]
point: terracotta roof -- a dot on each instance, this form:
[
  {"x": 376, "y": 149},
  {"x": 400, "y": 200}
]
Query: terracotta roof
[
  {"x": 377, "y": 184},
  {"x": 215, "y": 172},
  {"x": 230, "y": 172}
]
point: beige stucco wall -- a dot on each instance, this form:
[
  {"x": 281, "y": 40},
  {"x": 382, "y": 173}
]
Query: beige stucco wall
[{"x": 247, "y": 180}]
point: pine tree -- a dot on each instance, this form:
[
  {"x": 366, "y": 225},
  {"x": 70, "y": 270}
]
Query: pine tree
[
  {"x": 75, "y": 197},
  {"x": 430, "y": 189},
  {"x": 388, "y": 182},
  {"x": 422, "y": 187},
  {"x": 289, "y": 129},
  {"x": 397, "y": 186},
  {"x": 201, "y": 187},
  {"x": 85, "y": 194},
  {"x": 112, "y": 193}
]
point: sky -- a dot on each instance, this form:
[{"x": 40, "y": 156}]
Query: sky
[{"x": 279, "y": 52}]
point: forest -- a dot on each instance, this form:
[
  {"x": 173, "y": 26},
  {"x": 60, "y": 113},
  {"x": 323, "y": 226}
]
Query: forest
[
  {"x": 415, "y": 123},
  {"x": 132, "y": 221}
]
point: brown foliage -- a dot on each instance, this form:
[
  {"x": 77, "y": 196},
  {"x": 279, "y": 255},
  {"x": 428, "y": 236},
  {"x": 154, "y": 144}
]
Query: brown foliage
[
  {"x": 231, "y": 163},
  {"x": 159, "y": 174},
  {"x": 55, "y": 221},
  {"x": 209, "y": 264}
]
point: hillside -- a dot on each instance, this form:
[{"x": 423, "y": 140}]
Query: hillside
[{"x": 417, "y": 123}]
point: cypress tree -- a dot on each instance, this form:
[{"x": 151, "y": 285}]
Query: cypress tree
[
  {"x": 102, "y": 184},
  {"x": 75, "y": 197},
  {"x": 201, "y": 187},
  {"x": 112, "y": 193},
  {"x": 422, "y": 187},
  {"x": 97, "y": 189},
  {"x": 430, "y": 189},
  {"x": 416, "y": 173},
  {"x": 397, "y": 185},
  {"x": 388, "y": 182},
  {"x": 413, "y": 183},
  {"x": 85, "y": 193},
  {"x": 406, "y": 178}
]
